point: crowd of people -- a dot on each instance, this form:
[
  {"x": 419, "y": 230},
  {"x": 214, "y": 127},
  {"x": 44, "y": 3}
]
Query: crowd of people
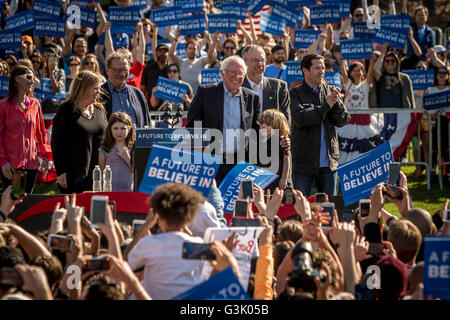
[{"x": 108, "y": 81}]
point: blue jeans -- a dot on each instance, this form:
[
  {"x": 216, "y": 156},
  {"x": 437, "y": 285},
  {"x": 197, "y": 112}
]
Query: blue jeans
[{"x": 326, "y": 181}]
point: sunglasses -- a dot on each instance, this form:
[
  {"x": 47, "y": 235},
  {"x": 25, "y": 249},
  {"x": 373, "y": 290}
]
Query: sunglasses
[
  {"x": 26, "y": 76},
  {"x": 74, "y": 64},
  {"x": 229, "y": 48},
  {"x": 12, "y": 64},
  {"x": 359, "y": 15},
  {"x": 172, "y": 71},
  {"x": 442, "y": 73}
]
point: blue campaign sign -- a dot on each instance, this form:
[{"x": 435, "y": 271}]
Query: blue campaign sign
[
  {"x": 395, "y": 37},
  {"x": 4, "y": 85},
  {"x": 88, "y": 17},
  {"x": 180, "y": 137},
  {"x": 272, "y": 24},
  {"x": 230, "y": 184},
  {"x": 344, "y": 6},
  {"x": 149, "y": 51},
  {"x": 190, "y": 5},
  {"x": 47, "y": 9},
  {"x": 436, "y": 269},
  {"x": 359, "y": 176},
  {"x": 397, "y": 21},
  {"x": 176, "y": 165},
  {"x": 211, "y": 76},
  {"x": 164, "y": 17},
  {"x": 170, "y": 90},
  {"x": 305, "y": 3},
  {"x": 333, "y": 79},
  {"x": 137, "y": 3},
  {"x": 294, "y": 72},
  {"x": 360, "y": 30},
  {"x": 437, "y": 100},
  {"x": 304, "y": 38},
  {"x": 21, "y": 21},
  {"x": 356, "y": 49},
  {"x": 421, "y": 79},
  {"x": 225, "y": 23},
  {"x": 448, "y": 45},
  {"x": 292, "y": 17},
  {"x": 123, "y": 16},
  {"x": 255, "y": 5},
  {"x": 49, "y": 27},
  {"x": 325, "y": 14},
  {"x": 46, "y": 91},
  {"x": 192, "y": 25},
  {"x": 222, "y": 286},
  {"x": 10, "y": 39},
  {"x": 239, "y": 9}
]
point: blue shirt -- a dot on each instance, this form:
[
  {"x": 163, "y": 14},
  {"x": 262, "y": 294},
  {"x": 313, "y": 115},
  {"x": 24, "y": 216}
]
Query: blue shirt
[
  {"x": 273, "y": 72},
  {"x": 324, "y": 162},
  {"x": 231, "y": 119},
  {"x": 121, "y": 102}
]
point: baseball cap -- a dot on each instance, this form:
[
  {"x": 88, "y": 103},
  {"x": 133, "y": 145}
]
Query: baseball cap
[
  {"x": 439, "y": 48},
  {"x": 162, "y": 46}
]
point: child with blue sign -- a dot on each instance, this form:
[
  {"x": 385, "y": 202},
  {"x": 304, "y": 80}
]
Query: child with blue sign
[
  {"x": 270, "y": 120},
  {"x": 115, "y": 151}
]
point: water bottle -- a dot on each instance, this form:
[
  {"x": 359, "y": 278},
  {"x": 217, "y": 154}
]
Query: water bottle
[
  {"x": 97, "y": 180},
  {"x": 107, "y": 179}
]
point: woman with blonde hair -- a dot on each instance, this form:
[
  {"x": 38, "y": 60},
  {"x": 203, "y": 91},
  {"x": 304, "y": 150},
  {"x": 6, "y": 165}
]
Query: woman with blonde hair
[
  {"x": 89, "y": 63},
  {"x": 77, "y": 131}
]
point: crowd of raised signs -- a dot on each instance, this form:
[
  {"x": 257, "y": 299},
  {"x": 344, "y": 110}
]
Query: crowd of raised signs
[{"x": 370, "y": 255}]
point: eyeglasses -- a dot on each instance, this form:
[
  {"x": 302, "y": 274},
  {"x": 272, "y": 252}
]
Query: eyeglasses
[
  {"x": 172, "y": 71},
  {"x": 390, "y": 61},
  {"x": 358, "y": 15},
  {"x": 50, "y": 54},
  {"x": 74, "y": 64},
  {"x": 235, "y": 74},
  {"x": 28, "y": 77},
  {"x": 254, "y": 60},
  {"x": 119, "y": 70},
  {"x": 229, "y": 48}
]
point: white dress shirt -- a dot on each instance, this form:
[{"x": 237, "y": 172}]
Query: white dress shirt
[{"x": 258, "y": 88}]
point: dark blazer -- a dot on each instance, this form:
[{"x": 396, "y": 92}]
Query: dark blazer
[
  {"x": 207, "y": 107},
  {"x": 137, "y": 100},
  {"x": 275, "y": 95}
]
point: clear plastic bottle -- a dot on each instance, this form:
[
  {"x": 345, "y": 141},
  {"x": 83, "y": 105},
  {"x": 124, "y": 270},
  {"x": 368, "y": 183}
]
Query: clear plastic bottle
[
  {"x": 97, "y": 179},
  {"x": 107, "y": 179}
]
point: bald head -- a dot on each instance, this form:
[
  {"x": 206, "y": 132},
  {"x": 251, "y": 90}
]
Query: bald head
[{"x": 422, "y": 220}]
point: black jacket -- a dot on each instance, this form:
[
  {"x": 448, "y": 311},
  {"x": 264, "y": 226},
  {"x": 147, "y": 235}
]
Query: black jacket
[
  {"x": 308, "y": 111},
  {"x": 137, "y": 100}
]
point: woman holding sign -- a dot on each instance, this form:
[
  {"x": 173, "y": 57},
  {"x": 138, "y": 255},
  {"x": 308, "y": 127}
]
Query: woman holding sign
[
  {"x": 22, "y": 130},
  {"x": 173, "y": 71},
  {"x": 77, "y": 131}
]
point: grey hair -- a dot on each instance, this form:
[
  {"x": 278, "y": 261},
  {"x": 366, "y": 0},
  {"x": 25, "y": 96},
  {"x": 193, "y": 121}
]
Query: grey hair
[
  {"x": 246, "y": 49},
  {"x": 236, "y": 59}
]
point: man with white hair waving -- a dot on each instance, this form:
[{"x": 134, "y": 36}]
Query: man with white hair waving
[{"x": 227, "y": 106}]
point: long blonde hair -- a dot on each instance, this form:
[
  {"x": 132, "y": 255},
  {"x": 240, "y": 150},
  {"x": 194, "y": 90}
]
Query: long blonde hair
[
  {"x": 276, "y": 120},
  {"x": 81, "y": 84}
]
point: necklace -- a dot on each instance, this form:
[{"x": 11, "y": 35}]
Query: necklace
[{"x": 87, "y": 113}]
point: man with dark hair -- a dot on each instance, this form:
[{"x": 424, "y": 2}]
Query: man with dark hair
[
  {"x": 166, "y": 273},
  {"x": 154, "y": 70},
  {"x": 277, "y": 69},
  {"x": 316, "y": 110}
]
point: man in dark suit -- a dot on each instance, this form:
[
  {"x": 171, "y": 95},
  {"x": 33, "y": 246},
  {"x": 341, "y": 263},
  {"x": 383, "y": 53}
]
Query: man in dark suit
[
  {"x": 120, "y": 97},
  {"x": 227, "y": 106},
  {"x": 273, "y": 93}
]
